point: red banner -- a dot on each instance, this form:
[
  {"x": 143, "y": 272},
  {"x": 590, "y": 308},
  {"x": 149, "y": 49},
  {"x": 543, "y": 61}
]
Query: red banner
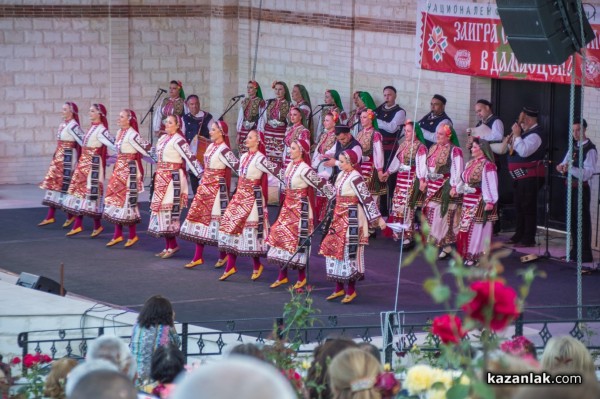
[{"x": 468, "y": 39}]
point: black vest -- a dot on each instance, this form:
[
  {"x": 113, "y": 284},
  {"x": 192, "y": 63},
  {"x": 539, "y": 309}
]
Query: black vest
[
  {"x": 431, "y": 123},
  {"x": 193, "y": 125},
  {"x": 586, "y": 148},
  {"x": 489, "y": 122},
  {"x": 538, "y": 154},
  {"x": 387, "y": 115}
]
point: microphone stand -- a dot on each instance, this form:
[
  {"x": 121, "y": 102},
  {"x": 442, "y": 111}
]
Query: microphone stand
[
  {"x": 546, "y": 162},
  {"x": 399, "y": 135},
  {"x": 316, "y": 111},
  {"x": 235, "y": 100},
  {"x": 150, "y": 112},
  {"x": 307, "y": 241}
]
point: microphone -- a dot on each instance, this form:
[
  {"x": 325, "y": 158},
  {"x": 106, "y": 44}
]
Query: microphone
[
  {"x": 270, "y": 100},
  {"x": 240, "y": 96},
  {"x": 325, "y": 105},
  {"x": 162, "y": 90}
]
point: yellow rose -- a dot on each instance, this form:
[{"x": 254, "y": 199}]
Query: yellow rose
[
  {"x": 436, "y": 394},
  {"x": 418, "y": 378},
  {"x": 443, "y": 376}
]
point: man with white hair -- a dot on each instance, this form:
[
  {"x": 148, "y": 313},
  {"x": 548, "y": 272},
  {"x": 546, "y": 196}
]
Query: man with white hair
[
  {"x": 236, "y": 377},
  {"x": 104, "y": 384}
]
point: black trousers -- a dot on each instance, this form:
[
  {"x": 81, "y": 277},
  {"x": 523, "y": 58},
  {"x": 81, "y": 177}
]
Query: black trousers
[
  {"x": 526, "y": 201},
  {"x": 194, "y": 181},
  {"x": 586, "y": 228},
  {"x": 391, "y": 186}
]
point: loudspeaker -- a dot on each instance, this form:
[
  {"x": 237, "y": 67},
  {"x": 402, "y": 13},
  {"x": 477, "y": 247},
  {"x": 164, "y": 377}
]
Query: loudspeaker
[
  {"x": 39, "y": 283},
  {"x": 543, "y": 31}
]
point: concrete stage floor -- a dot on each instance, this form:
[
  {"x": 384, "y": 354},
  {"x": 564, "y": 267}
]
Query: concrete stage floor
[{"x": 126, "y": 277}]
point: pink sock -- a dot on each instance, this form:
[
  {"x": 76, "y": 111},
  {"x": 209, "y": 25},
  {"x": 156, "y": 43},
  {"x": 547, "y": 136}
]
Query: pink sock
[
  {"x": 256, "y": 261},
  {"x": 97, "y": 223},
  {"x": 339, "y": 287},
  {"x": 199, "y": 252},
  {"x": 51, "y": 212},
  {"x": 282, "y": 273},
  {"x": 118, "y": 231},
  {"x": 132, "y": 231},
  {"x": 351, "y": 288},
  {"x": 230, "y": 262},
  {"x": 78, "y": 222},
  {"x": 222, "y": 255},
  {"x": 301, "y": 274}
]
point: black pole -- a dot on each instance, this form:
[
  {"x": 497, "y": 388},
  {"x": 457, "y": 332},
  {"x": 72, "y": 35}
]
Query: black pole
[{"x": 150, "y": 112}]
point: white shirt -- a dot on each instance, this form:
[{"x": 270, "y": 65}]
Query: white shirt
[{"x": 528, "y": 145}]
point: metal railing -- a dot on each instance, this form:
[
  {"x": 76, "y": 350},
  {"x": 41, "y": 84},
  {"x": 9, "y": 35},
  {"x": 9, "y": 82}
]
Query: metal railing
[{"x": 210, "y": 338}]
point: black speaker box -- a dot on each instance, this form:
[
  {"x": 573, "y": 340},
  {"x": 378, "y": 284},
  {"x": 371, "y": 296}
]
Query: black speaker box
[
  {"x": 543, "y": 31},
  {"x": 39, "y": 283}
]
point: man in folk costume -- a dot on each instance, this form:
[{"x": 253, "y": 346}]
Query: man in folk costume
[
  {"x": 390, "y": 120},
  {"x": 250, "y": 110},
  {"x": 430, "y": 122},
  {"x": 526, "y": 167},
  {"x": 444, "y": 166},
  {"x": 581, "y": 181},
  {"x": 345, "y": 141},
  {"x": 410, "y": 163},
  {"x": 196, "y": 124},
  {"x": 174, "y": 104}
]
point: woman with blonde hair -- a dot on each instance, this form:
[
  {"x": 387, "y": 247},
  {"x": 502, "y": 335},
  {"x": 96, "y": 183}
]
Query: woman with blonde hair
[
  {"x": 356, "y": 374},
  {"x": 54, "y": 386},
  {"x": 567, "y": 353}
]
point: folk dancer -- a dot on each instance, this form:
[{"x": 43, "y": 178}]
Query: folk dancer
[
  {"x": 333, "y": 104},
  {"x": 250, "y": 110},
  {"x": 429, "y": 123},
  {"x": 326, "y": 141}
]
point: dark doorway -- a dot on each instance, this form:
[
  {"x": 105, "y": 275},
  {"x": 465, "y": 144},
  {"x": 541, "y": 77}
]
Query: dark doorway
[{"x": 553, "y": 101}]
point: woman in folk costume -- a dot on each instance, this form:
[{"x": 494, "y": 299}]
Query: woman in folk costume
[
  {"x": 170, "y": 185},
  {"x": 410, "y": 163},
  {"x": 87, "y": 185},
  {"x": 372, "y": 153},
  {"x": 174, "y": 104},
  {"x": 301, "y": 100},
  {"x": 334, "y": 104},
  {"x": 57, "y": 180},
  {"x": 326, "y": 141},
  {"x": 296, "y": 131},
  {"x": 479, "y": 210},
  {"x": 444, "y": 166},
  {"x": 250, "y": 110},
  {"x": 295, "y": 221},
  {"x": 127, "y": 181},
  {"x": 363, "y": 101},
  {"x": 245, "y": 223},
  {"x": 274, "y": 123},
  {"x": 203, "y": 219},
  {"x": 344, "y": 244}
]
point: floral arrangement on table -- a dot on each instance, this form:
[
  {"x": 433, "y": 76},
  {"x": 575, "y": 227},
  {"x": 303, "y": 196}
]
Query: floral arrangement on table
[
  {"x": 452, "y": 365},
  {"x": 34, "y": 365}
]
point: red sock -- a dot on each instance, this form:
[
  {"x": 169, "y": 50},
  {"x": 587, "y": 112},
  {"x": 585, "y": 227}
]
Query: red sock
[
  {"x": 118, "y": 231},
  {"x": 230, "y": 262},
  {"x": 351, "y": 288},
  {"x": 167, "y": 243},
  {"x": 78, "y": 222},
  {"x": 132, "y": 231},
  {"x": 339, "y": 287},
  {"x": 97, "y": 223},
  {"x": 301, "y": 274},
  {"x": 256, "y": 261},
  {"x": 69, "y": 216},
  {"x": 173, "y": 243},
  {"x": 51, "y": 212},
  {"x": 222, "y": 255},
  {"x": 199, "y": 252},
  {"x": 282, "y": 273}
]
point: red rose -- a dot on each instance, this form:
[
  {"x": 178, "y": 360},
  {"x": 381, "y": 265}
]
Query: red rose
[
  {"x": 15, "y": 360},
  {"x": 387, "y": 384},
  {"x": 448, "y": 328},
  {"x": 29, "y": 361},
  {"x": 496, "y": 298},
  {"x": 46, "y": 359}
]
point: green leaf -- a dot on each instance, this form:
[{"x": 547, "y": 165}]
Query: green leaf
[
  {"x": 458, "y": 392},
  {"x": 431, "y": 254},
  {"x": 483, "y": 390},
  {"x": 430, "y": 284},
  {"x": 410, "y": 258},
  {"x": 440, "y": 293},
  {"x": 464, "y": 297}
]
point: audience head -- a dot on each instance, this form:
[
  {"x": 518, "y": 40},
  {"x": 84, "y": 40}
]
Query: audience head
[
  {"x": 370, "y": 348},
  {"x": 235, "y": 377},
  {"x": 567, "y": 353},
  {"x": 54, "y": 386},
  {"x": 502, "y": 363},
  {"x": 588, "y": 389},
  {"x": 167, "y": 363},
  {"x": 322, "y": 356},
  {"x": 156, "y": 311},
  {"x": 353, "y": 373},
  {"x": 104, "y": 384},
  {"x": 248, "y": 349},
  {"x": 114, "y": 350},
  {"x": 84, "y": 369}
]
